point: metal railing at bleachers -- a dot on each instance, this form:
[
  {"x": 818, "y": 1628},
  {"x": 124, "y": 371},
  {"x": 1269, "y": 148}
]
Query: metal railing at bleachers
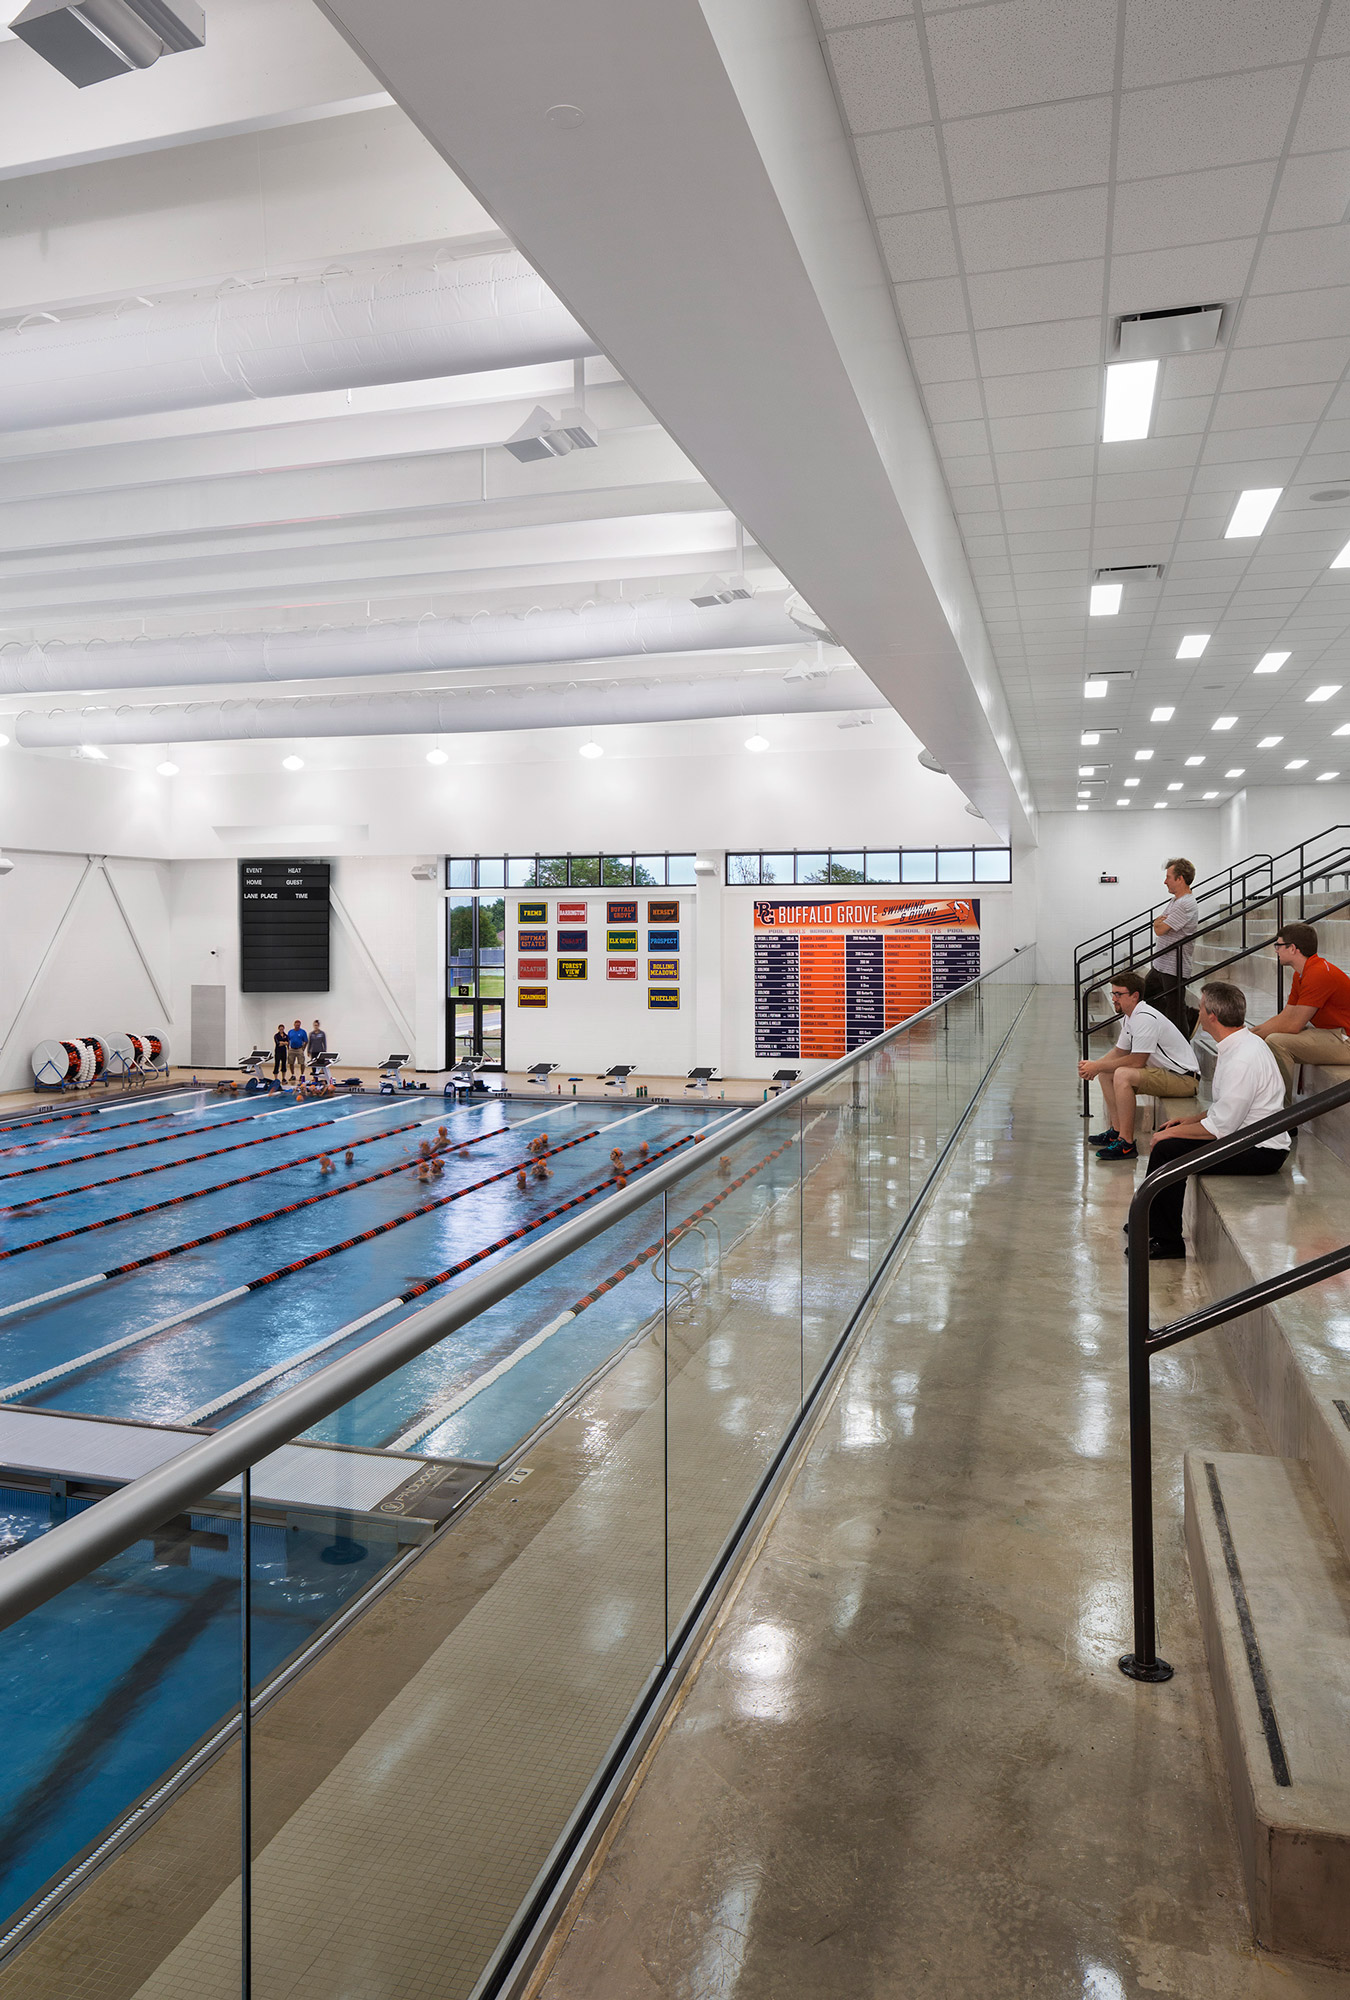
[
  {"x": 1291, "y": 883},
  {"x": 811, "y": 1195},
  {"x": 1145, "y": 1340}
]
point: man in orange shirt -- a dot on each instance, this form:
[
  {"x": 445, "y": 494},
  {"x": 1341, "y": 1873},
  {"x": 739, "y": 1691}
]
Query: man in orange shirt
[{"x": 1313, "y": 1026}]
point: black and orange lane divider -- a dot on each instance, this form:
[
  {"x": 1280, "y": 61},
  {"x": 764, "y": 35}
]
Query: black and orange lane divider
[
  {"x": 213, "y": 1152},
  {"x": 288, "y": 1367},
  {"x": 26, "y": 1124},
  {"x": 240, "y": 1180},
  {"x": 297, "y": 1264},
  {"x": 135, "y": 1145},
  {"x": 654, "y": 1249}
]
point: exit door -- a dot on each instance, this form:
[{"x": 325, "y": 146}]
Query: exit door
[{"x": 476, "y": 979}]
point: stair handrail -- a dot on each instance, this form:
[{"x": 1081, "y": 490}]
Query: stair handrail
[
  {"x": 1211, "y": 886},
  {"x": 1145, "y": 1340},
  {"x": 1337, "y": 863}
]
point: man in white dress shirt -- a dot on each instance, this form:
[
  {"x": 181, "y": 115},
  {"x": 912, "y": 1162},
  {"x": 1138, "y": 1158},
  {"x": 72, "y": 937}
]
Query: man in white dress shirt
[
  {"x": 1247, "y": 1086},
  {"x": 1151, "y": 1056}
]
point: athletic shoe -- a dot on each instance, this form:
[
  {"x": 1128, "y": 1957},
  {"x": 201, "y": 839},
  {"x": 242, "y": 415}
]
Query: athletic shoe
[
  {"x": 1160, "y": 1252},
  {"x": 1119, "y": 1149},
  {"x": 1103, "y": 1138}
]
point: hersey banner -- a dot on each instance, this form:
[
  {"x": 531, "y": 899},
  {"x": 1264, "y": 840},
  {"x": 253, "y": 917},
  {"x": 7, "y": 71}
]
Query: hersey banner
[{"x": 830, "y": 975}]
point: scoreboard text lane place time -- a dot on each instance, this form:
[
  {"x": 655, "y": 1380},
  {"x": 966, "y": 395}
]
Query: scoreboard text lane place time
[{"x": 283, "y": 926}]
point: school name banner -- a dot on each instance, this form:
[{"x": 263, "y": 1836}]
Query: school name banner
[{"x": 830, "y": 975}]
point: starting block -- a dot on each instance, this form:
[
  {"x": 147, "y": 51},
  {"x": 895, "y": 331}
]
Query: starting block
[{"x": 616, "y": 1077}]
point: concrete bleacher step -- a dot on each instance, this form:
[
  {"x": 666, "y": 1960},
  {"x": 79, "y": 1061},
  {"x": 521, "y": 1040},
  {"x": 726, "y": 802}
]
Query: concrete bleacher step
[
  {"x": 1294, "y": 1354},
  {"x": 1333, "y": 1127},
  {"x": 1273, "y": 1588}
]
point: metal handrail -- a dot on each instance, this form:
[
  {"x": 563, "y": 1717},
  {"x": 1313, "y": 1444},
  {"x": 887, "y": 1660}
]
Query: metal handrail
[
  {"x": 1337, "y": 863},
  {"x": 37, "y": 1571},
  {"x": 1209, "y": 885},
  {"x": 1143, "y": 1664}
]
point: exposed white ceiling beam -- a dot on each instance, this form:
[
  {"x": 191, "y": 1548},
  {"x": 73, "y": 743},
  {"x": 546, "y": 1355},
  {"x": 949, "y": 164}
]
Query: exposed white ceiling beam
[
  {"x": 669, "y": 232},
  {"x": 266, "y": 63}
]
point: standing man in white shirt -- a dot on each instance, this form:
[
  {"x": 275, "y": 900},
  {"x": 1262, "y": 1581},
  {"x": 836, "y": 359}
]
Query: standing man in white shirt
[
  {"x": 1179, "y": 921},
  {"x": 1151, "y": 1055},
  {"x": 1247, "y": 1086}
]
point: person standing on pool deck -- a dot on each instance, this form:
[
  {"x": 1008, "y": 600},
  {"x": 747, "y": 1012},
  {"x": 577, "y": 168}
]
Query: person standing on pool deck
[
  {"x": 318, "y": 1046},
  {"x": 298, "y": 1042},
  {"x": 281, "y": 1049}
]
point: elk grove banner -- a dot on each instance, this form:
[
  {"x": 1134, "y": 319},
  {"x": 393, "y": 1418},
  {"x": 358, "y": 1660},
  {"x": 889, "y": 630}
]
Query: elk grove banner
[{"x": 830, "y": 975}]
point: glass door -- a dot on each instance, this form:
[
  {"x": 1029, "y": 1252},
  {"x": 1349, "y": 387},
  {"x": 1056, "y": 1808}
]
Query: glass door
[{"x": 476, "y": 979}]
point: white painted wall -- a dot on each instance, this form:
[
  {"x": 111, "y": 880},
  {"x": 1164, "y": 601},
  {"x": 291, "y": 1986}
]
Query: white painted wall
[{"x": 590, "y": 1024}]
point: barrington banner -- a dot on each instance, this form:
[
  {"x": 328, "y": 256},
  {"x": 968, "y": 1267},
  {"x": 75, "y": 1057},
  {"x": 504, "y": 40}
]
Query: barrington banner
[{"x": 830, "y": 975}]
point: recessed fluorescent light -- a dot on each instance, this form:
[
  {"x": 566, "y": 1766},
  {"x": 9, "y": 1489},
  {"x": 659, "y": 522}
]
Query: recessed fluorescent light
[
  {"x": 1270, "y": 663},
  {"x": 1342, "y": 561},
  {"x": 1175, "y": 788},
  {"x": 1193, "y": 645},
  {"x": 1082, "y": 809},
  {"x": 1104, "y": 600},
  {"x": 1223, "y": 722},
  {"x": 1297, "y": 764},
  {"x": 756, "y": 742},
  {"x": 1162, "y": 715},
  {"x": 168, "y": 769},
  {"x": 1254, "y": 508},
  {"x": 1088, "y": 738},
  {"x": 1160, "y": 805},
  {"x": 292, "y": 763},
  {"x": 1209, "y": 795},
  {"x": 1344, "y": 730},
  {"x": 1323, "y": 776},
  {"x": 1192, "y": 761},
  {"x": 438, "y": 756},
  {"x": 1142, "y": 756},
  {"x": 1090, "y": 770},
  {"x": 1085, "y": 795},
  {"x": 1096, "y": 690},
  {"x": 590, "y": 750},
  {"x": 1131, "y": 781},
  {"x": 1129, "y": 400},
  {"x": 1122, "y": 802},
  {"x": 1325, "y": 692},
  {"x": 1239, "y": 771},
  {"x": 92, "y": 750},
  {"x": 1269, "y": 742}
]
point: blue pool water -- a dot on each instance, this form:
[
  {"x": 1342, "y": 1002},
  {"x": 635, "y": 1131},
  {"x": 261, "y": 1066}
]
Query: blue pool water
[{"x": 113, "y": 1683}]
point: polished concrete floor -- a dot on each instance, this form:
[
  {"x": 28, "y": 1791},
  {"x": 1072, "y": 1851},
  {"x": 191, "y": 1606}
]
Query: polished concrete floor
[{"x": 909, "y": 1765}]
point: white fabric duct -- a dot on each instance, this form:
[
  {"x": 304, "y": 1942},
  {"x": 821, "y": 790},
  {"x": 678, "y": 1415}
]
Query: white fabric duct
[
  {"x": 452, "y": 712},
  {"x": 436, "y": 645},
  {"x": 338, "y": 331}
]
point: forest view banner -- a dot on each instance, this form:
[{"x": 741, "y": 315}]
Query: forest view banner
[{"x": 830, "y": 975}]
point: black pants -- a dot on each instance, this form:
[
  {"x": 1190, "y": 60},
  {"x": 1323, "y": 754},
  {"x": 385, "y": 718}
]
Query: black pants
[
  {"x": 1167, "y": 992},
  {"x": 279, "y": 1060},
  {"x": 1164, "y": 1225}
]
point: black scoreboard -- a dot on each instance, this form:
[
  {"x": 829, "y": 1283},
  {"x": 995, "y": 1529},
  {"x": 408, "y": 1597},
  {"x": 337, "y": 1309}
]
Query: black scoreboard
[{"x": 283, "y": 926}]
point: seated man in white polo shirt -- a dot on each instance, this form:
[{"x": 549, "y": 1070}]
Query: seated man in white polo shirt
[
  {"x": 1152, "y": 1056},
  {"x": 1247, "y": 1086}
]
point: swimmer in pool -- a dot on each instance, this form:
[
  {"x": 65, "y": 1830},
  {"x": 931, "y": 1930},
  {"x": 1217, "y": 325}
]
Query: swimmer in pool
[
  {"x": 522, "y": 1179},
  {"x": 326, "y": 1165},
  {"x": 349, "y": 1157}
]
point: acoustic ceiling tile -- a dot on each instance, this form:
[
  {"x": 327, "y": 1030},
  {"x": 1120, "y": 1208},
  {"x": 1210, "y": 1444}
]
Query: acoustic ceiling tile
[
  {"x": 1060, "y": 464},
  {"x": 1018, "y": 52},
  {"x": 1321, "y": 315},
  {"x": 1150, "y": 280},
  {"x": 880, "y": 75},
  {"x": 1286, "y": 364},
  {"x": 1246, "y": 408},
  {"x": 901, "y": 170},
  {"x": 1314, "y": 188},
  {"x": 1047, "y": 389},
  {"x": 1017, "y": 350},
  {"x": 1324, "y": 121},
  {"x": 931, "y": 305},
  {"x": 1033, "y": 229},
  {"x": 852, "y": 13},
  {"x": 918, "y": 246},
  {"x": 1038, "y": 293},
  {"x": 953, "y": 402},
  {"x": 1050, "y": 427},
  {"x": 959, "y": 440},
  {"x": 1030, "y": 152},
  {"x": 943, "y": 357},
  {"x": 1167, "y": 43},
  {"x": 1302, "y": 260},
  {"x": 1175, "y": 209},
  {"x": 1220, "y": 122}
]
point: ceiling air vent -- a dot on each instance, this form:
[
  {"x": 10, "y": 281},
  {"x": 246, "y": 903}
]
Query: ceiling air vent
[
  {"x": 1153, "y": 336},
  {"x": 1128, "y": 573}
]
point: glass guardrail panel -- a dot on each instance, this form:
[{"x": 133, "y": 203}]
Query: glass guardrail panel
[
  {"x": 410, "y": 1784},
  {"x": 117, "y": 1692},
  {"x": 733, "y": 1269},
  {"x": 836, "y": 1252}
]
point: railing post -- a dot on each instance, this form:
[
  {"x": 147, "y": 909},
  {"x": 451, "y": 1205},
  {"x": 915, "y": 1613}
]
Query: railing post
[
  {"x": 1143, "y": 1663},
  {"x": 246, "y": 1734}
]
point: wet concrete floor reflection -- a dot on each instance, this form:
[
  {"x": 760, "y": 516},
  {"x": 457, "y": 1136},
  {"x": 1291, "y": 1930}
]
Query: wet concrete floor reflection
[{"x": 909, "y": 1765}]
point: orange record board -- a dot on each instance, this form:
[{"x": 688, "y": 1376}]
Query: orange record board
[{"x": 829, "y": 975}]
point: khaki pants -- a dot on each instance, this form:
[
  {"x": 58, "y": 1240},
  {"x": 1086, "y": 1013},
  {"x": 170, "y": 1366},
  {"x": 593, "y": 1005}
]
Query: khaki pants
[
  {"x": 1150, "y": 1082},
  {"x": 1313, "y": 1045}
]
